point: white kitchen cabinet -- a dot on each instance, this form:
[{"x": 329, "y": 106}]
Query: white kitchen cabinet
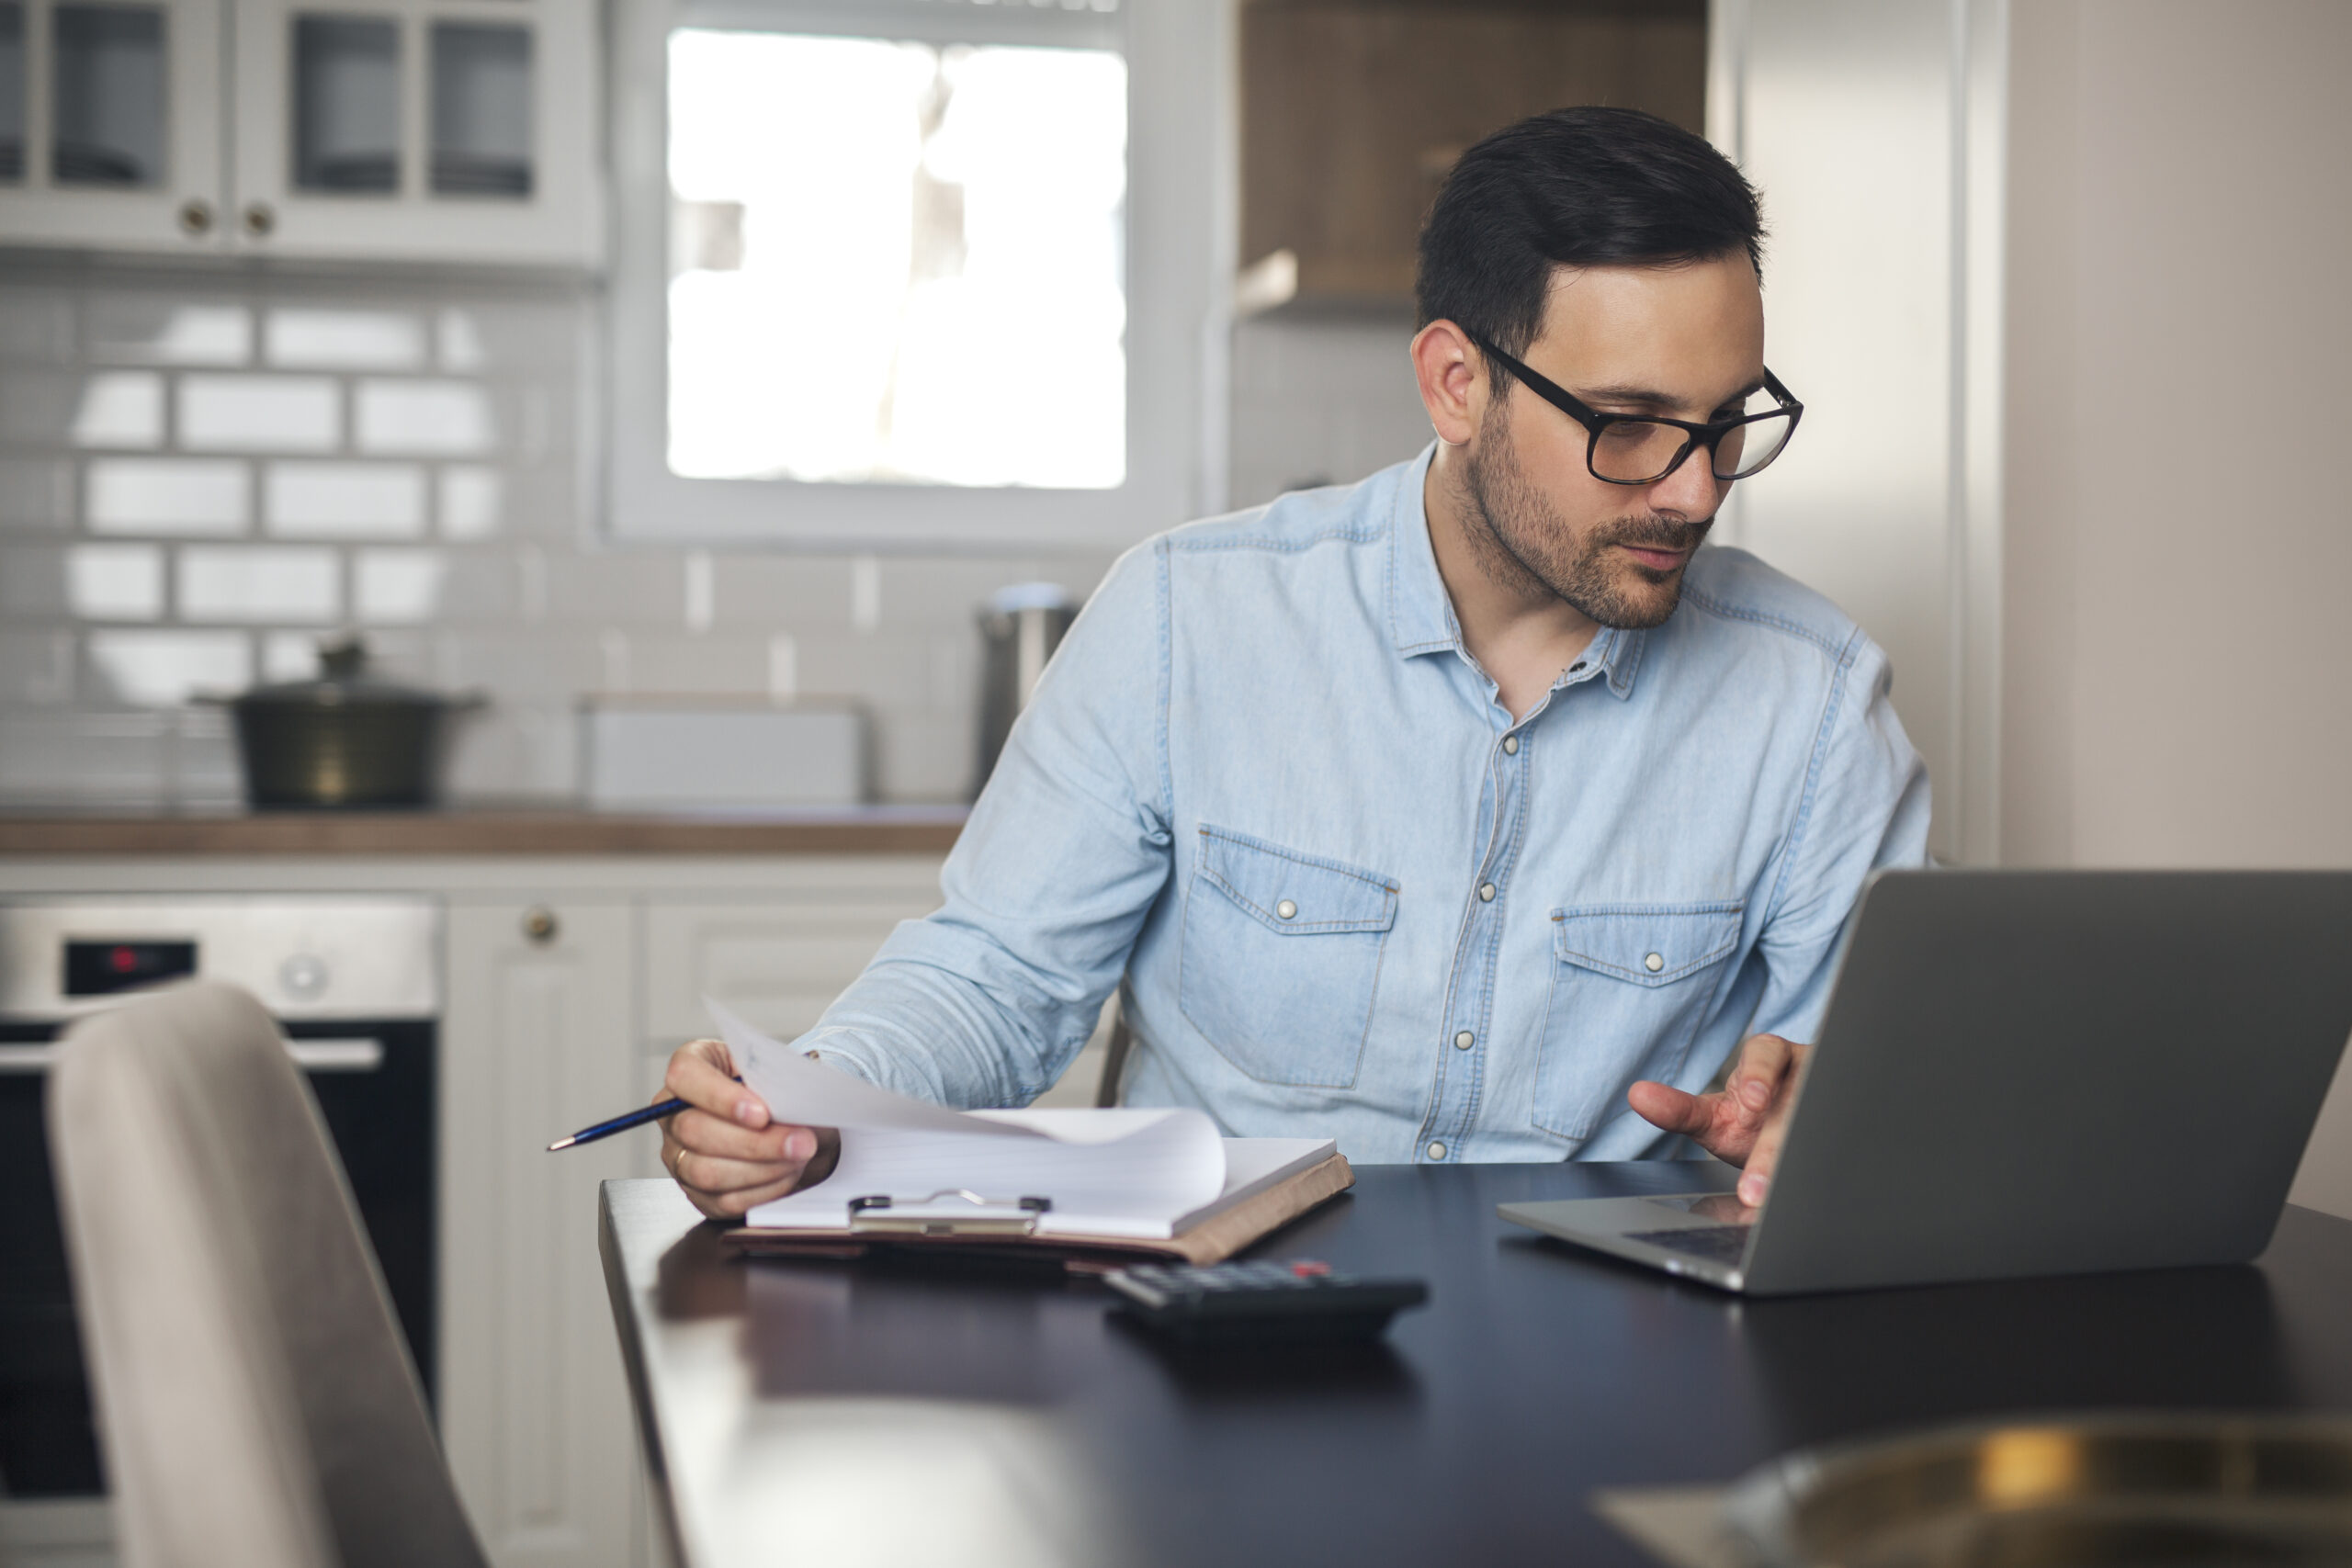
[
  {"x": 457, "y": 131},
  {"x": 110, "y": 127},
  {"x": 461, "y": 132},
  {"x": 535, "y": 1413},
  {"x": 780, "y": 963}
]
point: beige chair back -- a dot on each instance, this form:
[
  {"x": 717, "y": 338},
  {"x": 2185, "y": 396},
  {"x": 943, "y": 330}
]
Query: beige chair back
[{"x": 257, "y": 1402}]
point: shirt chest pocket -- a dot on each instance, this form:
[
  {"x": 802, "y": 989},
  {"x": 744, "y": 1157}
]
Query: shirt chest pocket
[
  {"x": 1282, "y": 958},
  {"x": 1631, "y": 984}
]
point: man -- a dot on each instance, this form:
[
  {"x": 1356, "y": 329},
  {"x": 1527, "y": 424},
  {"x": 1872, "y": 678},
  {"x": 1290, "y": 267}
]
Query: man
[{"x": 1472, "y": 812}]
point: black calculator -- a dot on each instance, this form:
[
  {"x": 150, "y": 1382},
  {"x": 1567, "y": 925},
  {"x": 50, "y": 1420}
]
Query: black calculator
[{"x": 1260, "y": 1304}]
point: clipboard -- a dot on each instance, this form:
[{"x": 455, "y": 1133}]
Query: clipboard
[{"x": 958, "y": 1222}]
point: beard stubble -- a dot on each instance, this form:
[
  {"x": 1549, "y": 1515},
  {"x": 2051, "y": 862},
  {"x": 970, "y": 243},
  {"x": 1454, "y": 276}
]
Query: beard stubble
[{"x": 1520, "y": 541}]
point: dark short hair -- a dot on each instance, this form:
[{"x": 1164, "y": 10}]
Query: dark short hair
[{"x": 1586, "y": 187}]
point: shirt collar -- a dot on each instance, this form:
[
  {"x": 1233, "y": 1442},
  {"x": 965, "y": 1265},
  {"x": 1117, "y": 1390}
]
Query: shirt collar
[{"x": 1420, "y": 613}]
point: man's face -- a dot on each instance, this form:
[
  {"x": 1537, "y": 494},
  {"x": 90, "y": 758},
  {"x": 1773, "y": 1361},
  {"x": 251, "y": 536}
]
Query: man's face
[{"x": 1683, "y": 343}]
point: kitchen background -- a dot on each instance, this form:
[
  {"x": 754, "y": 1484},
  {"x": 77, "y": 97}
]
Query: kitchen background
[
  {"x": 204, "y": 468},
  {"x": 202, "y": 479},
  {"x": 203, "y": 472}
]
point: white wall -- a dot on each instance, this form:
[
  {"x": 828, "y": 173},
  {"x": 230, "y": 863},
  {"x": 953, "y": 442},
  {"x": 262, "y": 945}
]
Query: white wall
[{"x": 2178, "y": 684}]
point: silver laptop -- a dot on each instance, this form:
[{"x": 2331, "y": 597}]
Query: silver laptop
[{"x": 2033, "y": 1073}]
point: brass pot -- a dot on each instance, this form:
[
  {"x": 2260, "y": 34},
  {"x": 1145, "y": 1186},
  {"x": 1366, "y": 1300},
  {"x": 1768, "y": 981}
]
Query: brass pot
[{"x": 2076, "y": 1490}]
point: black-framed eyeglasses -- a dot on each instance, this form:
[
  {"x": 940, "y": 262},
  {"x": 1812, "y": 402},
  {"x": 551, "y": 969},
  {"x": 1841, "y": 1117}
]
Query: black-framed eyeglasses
[{"x": 1641, "y": 449}]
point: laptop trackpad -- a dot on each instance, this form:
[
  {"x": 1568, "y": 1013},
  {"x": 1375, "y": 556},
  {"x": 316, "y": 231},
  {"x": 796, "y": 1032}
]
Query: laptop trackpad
[{"x": 1710, "y": 1208}]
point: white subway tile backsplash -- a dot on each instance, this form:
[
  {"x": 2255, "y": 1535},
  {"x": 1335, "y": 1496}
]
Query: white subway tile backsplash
[
  {"x": 460, "y": 342},
  {"x": 36, "y": 494},
  {"x": 472, "y": 503},
  {"x": 344, "y": 501},
  {"x": 923, "y": 757},
  {"x": 206, "y": 770},
  {"x": 36, "y": 326},
  {"x": 289, "y": 656},
  {"x": 545, "y": 665},
  {"x": 162, "y": 668},
  {"x": 119, "y": 407},
  {"x": 50, "y": 755},
  {"x": 807, "y": 593},
  {"x": 322, "y": 339},
  {"x": 451, "y": 419},
  {"x": 258, "y": 582},
  {"x": 394, "y": 487},
  {"x": 137, "y": 328},
  {"x": 115, "y": 582},
  {"x": 175, "y": 496},
  {"x": 258, "y": 413},
  {"x": 885, "y": 669},
  {"x": 636, "y": 587},
  {"x": 36, "y": 666},
  {"x": 32, "y": 583},
  {"x": 700, "y": 666},
  {"x": 37, "y": 407},
  {"x": 397, "y": 587},
  {"x": 516, "y": 749},
  {"x": 513, "y": 337}
]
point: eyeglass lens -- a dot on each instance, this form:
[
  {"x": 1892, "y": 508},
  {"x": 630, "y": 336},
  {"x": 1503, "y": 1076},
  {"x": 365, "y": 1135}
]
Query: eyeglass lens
[{"x": 1635, "y": 451}]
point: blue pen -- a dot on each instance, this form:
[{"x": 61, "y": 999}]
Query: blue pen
[{"x": 653, "y": 1112}]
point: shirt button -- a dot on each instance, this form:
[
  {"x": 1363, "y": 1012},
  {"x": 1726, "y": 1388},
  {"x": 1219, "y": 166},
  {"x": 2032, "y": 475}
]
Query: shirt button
[
  {"x": 1464, "y": 1041},
  {"x": 1485, "y": 893},
  {"x": 1654, "y": 962},
  {"x": 1511, "y": 745},
  {"x": 1437, "y": 1151},
  {"x": 1285, "y": 909}
]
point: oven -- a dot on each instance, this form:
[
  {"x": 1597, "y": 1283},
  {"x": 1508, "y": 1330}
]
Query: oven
[{"x": 354, "y": 985}]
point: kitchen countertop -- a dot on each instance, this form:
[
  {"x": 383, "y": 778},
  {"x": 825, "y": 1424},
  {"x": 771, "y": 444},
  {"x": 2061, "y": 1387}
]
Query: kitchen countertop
[{"x": 520, "y": 830}]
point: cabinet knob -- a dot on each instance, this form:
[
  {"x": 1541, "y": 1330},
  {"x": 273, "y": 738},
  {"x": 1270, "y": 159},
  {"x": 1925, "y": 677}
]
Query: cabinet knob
[
  {"x": 196, "y": 217},
  {"x": 540, "y": 925},
  {"x": 260, "y": 220}
]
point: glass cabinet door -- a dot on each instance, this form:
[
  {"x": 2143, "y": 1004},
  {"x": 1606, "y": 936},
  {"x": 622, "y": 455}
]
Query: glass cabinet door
[
  {"x": 346, "y": 103},
  {"x": 482, "y": 109},
  {"x": 107, "y": 96},
  {"x": 12, "y": 92},
  {"x": 448, "y": 129},
  {"x": 110, "y": 117}
]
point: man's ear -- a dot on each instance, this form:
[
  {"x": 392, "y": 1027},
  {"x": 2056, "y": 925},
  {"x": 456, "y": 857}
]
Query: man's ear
[{"x": 1453, "y": 380}]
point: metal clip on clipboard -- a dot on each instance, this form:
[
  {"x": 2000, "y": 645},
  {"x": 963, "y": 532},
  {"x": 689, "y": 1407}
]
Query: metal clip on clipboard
[{"x": 951, "y": 1210}]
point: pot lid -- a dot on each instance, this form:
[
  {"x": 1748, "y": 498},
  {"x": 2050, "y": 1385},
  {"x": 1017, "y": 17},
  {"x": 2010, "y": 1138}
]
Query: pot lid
[{"x": 344, "y": 681}]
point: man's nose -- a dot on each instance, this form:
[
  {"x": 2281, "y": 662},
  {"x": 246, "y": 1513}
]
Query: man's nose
[{"x": 1692, "y": 492}]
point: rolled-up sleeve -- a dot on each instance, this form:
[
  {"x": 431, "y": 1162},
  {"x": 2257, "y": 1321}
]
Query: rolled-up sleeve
[
  {"x": 1865, "y": 806},
  {"x": 985, "y": 1002}
]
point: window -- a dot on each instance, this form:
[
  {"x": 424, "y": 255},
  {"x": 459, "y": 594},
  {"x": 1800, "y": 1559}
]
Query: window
[{"x": 914, "y": 273}]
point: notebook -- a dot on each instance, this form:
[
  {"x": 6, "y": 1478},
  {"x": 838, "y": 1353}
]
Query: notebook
[{"x": 1123, "y": 1179}]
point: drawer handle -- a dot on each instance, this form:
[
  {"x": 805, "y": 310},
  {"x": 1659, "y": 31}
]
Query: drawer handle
[{"x": 540, "y": 925}]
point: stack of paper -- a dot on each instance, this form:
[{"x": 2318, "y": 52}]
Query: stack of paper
[{"x": 1145, "y": 1174}]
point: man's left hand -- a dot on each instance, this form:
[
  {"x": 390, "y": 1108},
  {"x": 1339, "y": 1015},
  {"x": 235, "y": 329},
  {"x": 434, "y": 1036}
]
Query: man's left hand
[{"x": 1741, "y": 1123}]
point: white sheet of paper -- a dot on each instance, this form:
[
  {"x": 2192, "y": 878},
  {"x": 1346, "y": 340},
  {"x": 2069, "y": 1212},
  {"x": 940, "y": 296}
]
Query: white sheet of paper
[{"x": 1109, "y": 1172}]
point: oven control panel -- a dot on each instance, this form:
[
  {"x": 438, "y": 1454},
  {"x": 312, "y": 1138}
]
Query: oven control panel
[{"x": 304, "y": 956}]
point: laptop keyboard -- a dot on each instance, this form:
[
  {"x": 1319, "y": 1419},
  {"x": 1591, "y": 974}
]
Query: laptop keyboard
[{"x": 1719, "y": 1243}]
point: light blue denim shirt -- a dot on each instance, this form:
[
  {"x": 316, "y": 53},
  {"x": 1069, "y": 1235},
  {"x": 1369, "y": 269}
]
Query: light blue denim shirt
[{"x": 1264, "y": 781}]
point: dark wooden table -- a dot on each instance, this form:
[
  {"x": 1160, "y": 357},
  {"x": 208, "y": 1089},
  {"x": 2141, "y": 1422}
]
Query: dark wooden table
[{"x": 847, "y": 1413}]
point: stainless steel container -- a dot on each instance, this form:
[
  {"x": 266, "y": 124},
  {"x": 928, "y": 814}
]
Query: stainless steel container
[
  {"x": 1019, "y": 629},
  {"x": 2079, "y": 1491}
]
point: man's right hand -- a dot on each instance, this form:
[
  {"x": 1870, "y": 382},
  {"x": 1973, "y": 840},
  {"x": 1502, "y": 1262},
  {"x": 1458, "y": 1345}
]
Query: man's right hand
[{"x": 726, "y": 1152}]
